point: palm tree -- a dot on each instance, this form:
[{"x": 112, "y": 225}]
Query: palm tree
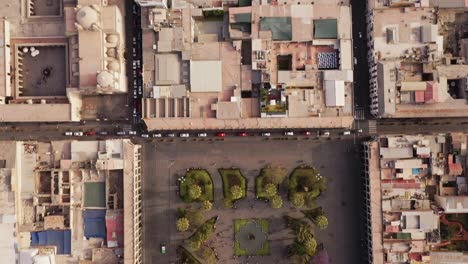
[
  {"x": 207, "y": 205},
  {"x": 298, "y": 200},
  {"x": 182, "y": 224},
  {"x": 236, "y": 192},
  {"x": 276, "y": 202},
  {"x": 321, "y": 222},
  {"x": 270, "y": 190},
  {"x": 194, "y": 191}
]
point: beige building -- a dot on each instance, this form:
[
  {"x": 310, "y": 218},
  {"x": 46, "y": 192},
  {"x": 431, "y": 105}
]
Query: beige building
[
  {"x": 418, "y": 66},
  {"x": 266, "y": 68},
  {"x": 45, "y": 74},
  {"x": 67, "y": 194}
]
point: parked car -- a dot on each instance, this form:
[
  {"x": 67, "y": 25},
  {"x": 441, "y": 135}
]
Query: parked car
[
  {"x": 242, "y": 134},
  {"x": 325, "y": 133},
  {"x": 347, "y": 132},
  {"x": 306, "y": 133},
  {"x": 170, "y": 135},
  {"x": 359, "y": 130},
  {"x": 184, "y": 135},
  {"x": 163, "y": 248},
  {"x": 68, "y": 133},
  {"x": 132, "y": 132},
  {"x": 289, "y": 133},
  {"x": 144, "y": 135},
  {"x": 103, "y": 133},
  {"x": 78, "y": 134},
  {"x": 221, "y": 134},
  {"x": 202, "y": 135},
  {"x": 121, "y": 133},
  {"x": 157, "y": 135},
  {"x": 266, "y": 134},
  {"x": 90, "y": 133}
]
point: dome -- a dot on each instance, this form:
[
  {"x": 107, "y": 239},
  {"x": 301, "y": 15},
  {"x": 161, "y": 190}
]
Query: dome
[
  {"x": 113, "y": 66},
  {"x": 105, "y": 79},
  {"x": 112, "y": 38},
  {"x": 87, "y": 16},
  {"x": 111, "y": 52}
]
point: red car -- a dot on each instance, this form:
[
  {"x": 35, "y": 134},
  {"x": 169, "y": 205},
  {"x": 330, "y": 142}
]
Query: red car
[
  {"x": 306, "y": 133},
  {"x": 242, "y": 134},
  {"x": 90, "y": 133},
  {"x": 221, "y": 134}
]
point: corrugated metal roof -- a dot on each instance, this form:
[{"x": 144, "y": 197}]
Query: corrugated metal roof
[
  {"x": 95, "y": 223},
  {"x": 59, "y": 238}
]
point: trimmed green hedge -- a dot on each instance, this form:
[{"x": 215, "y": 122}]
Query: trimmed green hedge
[
  {"x": 230, "y": 178},
  {"x": 200, "y": 177},
  {"x": 306, "y": 180}
]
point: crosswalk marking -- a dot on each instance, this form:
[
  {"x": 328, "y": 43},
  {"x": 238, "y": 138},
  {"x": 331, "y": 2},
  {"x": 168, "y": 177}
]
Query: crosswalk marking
[
  {"x": 372, "y": 126},
  {"x": 359, "y": 114}
]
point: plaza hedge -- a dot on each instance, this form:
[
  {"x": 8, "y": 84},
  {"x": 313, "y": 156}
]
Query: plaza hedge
[{"x": 199, "y": 177}]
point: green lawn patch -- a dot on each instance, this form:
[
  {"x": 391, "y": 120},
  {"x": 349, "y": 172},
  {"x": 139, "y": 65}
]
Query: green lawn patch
[
  {"x": 197, "y": 177},
  {"x": 232, "y": 177},
  {"x": 251, "y": 237},
  {"x": 238, "y": 223},
  {"x": 265, "y": 250}
]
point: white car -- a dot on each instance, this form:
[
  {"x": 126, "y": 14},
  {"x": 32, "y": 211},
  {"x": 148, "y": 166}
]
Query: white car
[
  {"x": 289, "y": 133},
  {"x": 78, "y": 134},
  {"x": 346, "y": 133},
  {"x": 325, "y": 133},
  {"x": 68, "y": 133},
  {"x": 266, "y": 134},
  {"x": 132, "y": 132},
  {"x": 158, "y": 135},
  {"x": 184, "y": 135},
  {"x": 144, "y": 135},
  {"x": 170, "y": 135},
  {"x": 202, "y": 135}
]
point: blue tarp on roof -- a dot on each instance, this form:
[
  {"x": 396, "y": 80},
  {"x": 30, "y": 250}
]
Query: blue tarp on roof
[
  {"x": 94, "y": 223},
  {"x": 59, "y": 238}
]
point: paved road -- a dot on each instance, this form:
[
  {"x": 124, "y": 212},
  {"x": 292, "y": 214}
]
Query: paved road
[
  {"x": 338, "y": 160},
  {"x": 413, "y": 126},
  {"x": 361, "y": 69}
]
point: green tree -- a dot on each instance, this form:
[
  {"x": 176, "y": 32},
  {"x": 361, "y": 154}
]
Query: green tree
[
  {"x": 182, "y": 224},
  {"x": 194, "y": 244},
  {"x": 274, "y": 174},
  {"x": 321, "y": 222},
  {"x": 298, "y": 200},
  {"x": 194, "y": 191},
  {"x": 236, "y": 192},
  {"x": 310, "y": 246},
  {"x": 311, "y": 196},
  {"x": 207, "y": 205},
  {"x": 276, "y": 202},
  {"x": 196, "y": 217},
  {"x": 208, "y": 255},
  {"x": 270, "y": 190},
  {"x": 313, "y": 213},
  {"x": 304, "y": 232}
]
